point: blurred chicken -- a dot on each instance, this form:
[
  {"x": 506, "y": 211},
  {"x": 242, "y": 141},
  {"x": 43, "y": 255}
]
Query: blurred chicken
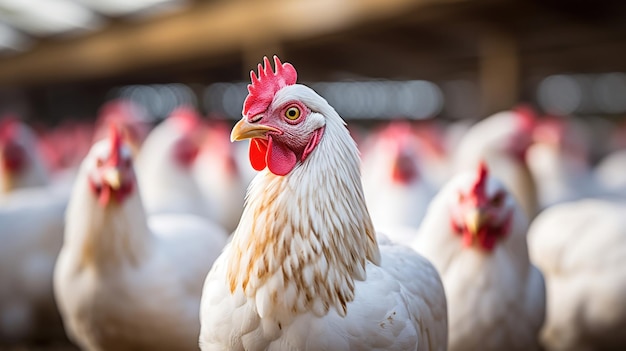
[
  {"x": 166, "y": 162},
  {"x": 31, "y": 233},
  {"x": 434, "y": 151},
  {"x": 130, "y": 117},
  {"x": 610, "y": 174},
  {"x": 475, "y": 234},
  {"x": 502, "y": 141},
  {"x": 559, "y": 161},
  {"x": 125, "y": 281},
  {"x": 304, "y": 270},
  {"x": 616, "y": 132},
  {"x": 222, "y": 180},
  {"x": 21, "y": 165},
  {"x": 581, "y": 248},
  {"x": 396, "y": 191}
]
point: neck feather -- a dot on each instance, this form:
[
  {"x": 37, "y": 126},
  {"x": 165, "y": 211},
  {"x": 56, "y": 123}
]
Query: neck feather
[
  {"x": 106, "y": 236},
  {"x": 305, "y": 237}
]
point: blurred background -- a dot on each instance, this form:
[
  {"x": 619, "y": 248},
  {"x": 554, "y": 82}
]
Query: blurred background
[
  {"x": 372, "y": 59},
  {"x": 67, "y": 67}
]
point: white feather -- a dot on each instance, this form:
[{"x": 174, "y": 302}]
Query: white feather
[
  {"x": 165, "y": 185},
  {"x": 581, "y": 248},
  {"x": 394, "y": 298},
  {"x": 31, "y": 235},
  {"x": 488, "y": 141},
  {"x": 496, "y": 300},
  {"x": 127, "y": 282}
]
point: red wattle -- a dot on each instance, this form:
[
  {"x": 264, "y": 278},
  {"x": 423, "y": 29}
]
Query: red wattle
[
  {"x": 105, "y": 195},
  {"x": 468, "y": 239},
  {"x": 280, "y": 159},
  {"x": 257, "y": 154}
]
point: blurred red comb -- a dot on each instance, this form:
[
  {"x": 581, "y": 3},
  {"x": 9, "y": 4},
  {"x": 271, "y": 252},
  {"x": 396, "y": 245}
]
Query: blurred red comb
[
  {"x": 186, "y": 118},
  {"x": 116, "y": 143},
  {"x": 478, "y": 189},
  {"x": 262, "y": 89},
  {"x": 396, "y": 128},
  {"x": 526, "y": 116},
  {"x": 8, "y": 127}
]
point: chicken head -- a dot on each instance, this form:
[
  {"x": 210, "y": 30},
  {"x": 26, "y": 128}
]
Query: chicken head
[
  {"x": 283, "y": 130},
  {"x": 13, "y": 155},
  {"x": 111, "y": 177},
  {"x": 186, "y": 148},
  {"x": 482, "y": 211}
]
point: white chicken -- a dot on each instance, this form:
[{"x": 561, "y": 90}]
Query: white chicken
[
  {"x": 31, "y": 234},
  {"x": 165, "y": 166},
  {"x": 475, "y": 234},
  {"x": 124, "y": 281},
  {"x": 396, "y": 191},
  {"x": 434, "y": 151},
  {"x": 581, "y": 248},
  {"x": 502, "y": 140},
  {"x": 609, "y": 173},
  {"x": 559, "y": 161},
  {"x": 304, "y": 270},
  {"x": 221, "y": 179},
  {"x": 21, "y": 166},
  {"x": 131, "y": 118}
]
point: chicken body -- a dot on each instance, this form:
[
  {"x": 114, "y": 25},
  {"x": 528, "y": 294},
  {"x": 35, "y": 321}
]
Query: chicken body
[
  {"x": 165, "y": 166},
  {"x": 558, "y": 178},
  {"x": 125, "y": 281},
  {"x": 221, "y": 180},
  {"x": 304, "y": 270},
  {"x": 31, "y": 233},
  {"x": 609, "y": 174},
  {"x": 501, "y": 141},
  {"x": 496, "y": 297},
  {"x": 396, "y": 191},
  {"x": 382, "y": 315},
  {"x": 558, "y": 161},
  {"x": 581, "y": 248}
]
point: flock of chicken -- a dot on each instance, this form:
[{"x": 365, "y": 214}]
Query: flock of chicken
[{"x": 494, "y": 236}]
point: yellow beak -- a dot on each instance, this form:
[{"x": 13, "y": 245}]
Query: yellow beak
[
  {"x": 113, "y": 177},
  {"x": 474, "y": 220},
  {"x": 246, "y": 130}
]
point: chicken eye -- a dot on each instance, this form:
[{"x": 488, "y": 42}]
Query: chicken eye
[
  {"x": 99, "y": 163},
  {"x": 497, "y": 200},
  {"x": 292, "y": 113}
]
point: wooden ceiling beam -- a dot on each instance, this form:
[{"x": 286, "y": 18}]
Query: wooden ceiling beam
[{"x": 203, "y": 30}]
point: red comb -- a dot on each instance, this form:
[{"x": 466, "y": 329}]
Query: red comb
[
  {"x": 262, "y": 89},
  {"x": 397, "y": 129},
  {"x": 8, "y": 127},
  {"x": 116, "y": 143},
  {"x": 526, "y": 117},
  {"x": 119, "y": 109},
  {"x": 478, "y": 189},
  {"x": 186, "y": 118}
]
